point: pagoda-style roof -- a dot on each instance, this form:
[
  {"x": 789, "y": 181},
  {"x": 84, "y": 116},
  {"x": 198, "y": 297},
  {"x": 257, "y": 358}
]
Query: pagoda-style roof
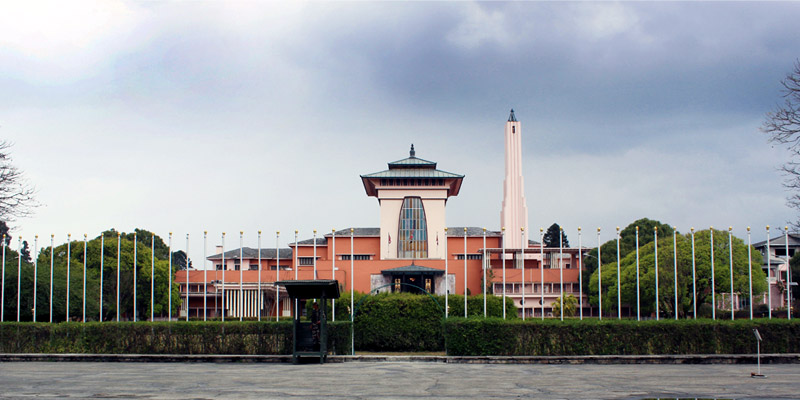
[{"x": 412, "y": 172}]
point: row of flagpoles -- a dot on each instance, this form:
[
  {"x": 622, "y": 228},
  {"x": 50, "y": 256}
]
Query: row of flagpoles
[{"x": 484, "y": 268}]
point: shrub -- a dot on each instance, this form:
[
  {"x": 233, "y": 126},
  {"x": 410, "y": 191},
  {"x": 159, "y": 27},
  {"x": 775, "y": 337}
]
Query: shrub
[
  {"x": 592, "y": 337},
  {"x": 161, "y": 337}
]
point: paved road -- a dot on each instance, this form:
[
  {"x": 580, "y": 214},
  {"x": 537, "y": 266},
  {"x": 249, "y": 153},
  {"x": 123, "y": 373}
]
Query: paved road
[{"x": 392, "y": 380}]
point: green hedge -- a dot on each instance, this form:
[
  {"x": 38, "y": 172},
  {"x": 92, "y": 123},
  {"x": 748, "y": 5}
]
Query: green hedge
[
  {"x": 404, "y": 322},
  {"x": 161, "y": 337},
  {"x": 493, "y": 336}
]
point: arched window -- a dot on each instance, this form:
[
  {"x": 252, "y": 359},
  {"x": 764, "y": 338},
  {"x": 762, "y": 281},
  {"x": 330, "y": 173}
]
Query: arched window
[{"x": 413, "y": 230}]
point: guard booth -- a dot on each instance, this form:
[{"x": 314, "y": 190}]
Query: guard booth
[{"x": 304, "y": 342}]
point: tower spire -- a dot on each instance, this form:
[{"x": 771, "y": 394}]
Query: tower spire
[{"x": 514, "y": 213}]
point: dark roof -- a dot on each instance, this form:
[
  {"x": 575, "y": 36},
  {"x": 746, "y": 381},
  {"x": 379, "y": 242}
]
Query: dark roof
[
  {"x": 357, "y": 232},
  {"x": 247, "y": 252},
  {"x": 307, "y": 289},
  {"x": 458, "y": 231},
  {"x": 794, "y": 241},
  {"x": 321, "y": 241},
  {"x": 413, "y": 269}
]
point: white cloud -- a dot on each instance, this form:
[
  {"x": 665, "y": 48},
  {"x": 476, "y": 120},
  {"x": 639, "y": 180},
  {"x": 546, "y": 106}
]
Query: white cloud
[
  {"x": 480, "y": 27},
  {"x": 600, "y": 21},
  {"x": 50, "y": 40}
]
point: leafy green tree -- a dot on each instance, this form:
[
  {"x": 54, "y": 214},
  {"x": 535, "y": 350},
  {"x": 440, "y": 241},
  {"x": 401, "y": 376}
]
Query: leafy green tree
[
  {"x": 25, "y": 251},
  {"x": 551, "y": 236},
  {"x": 666, "y": 274},
  {"x": 74, "y": 252},
  {"x": 627, "y": 242},
  {"x": 570, "y": 306}
]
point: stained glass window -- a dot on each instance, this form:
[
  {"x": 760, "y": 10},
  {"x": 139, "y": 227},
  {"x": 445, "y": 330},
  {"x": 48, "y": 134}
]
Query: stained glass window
[{"x": 413, "y": 231}]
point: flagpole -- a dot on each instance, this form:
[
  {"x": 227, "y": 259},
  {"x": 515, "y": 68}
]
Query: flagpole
[
  {"x": 503, "y": 240},
  {"x": 258, "y": 295},
  {"x": 187, "y": 277},
  {"x": 713, "y": 284},
  {"x": 241, "y": 275},
  {"x": 465, "y": 272},
  {"x": 153, "y": 276},
  {"x": 788, "y": 276},
  {"x": 541, "y": 273},
  {"x": 730, "y": 256},
  {"x": 315, "y": 254},
  {"x": 69, "y": 250},
  {"x": 561, "y": 268},
  {"x": 119, "y": 238},
  {"x": 694, "y": 280},
  {"x": 19, "y": 275},
  {"x": 522, "y": 262},
  {"x": 333, "y": 272},
  {"x": 599, "y": 279},
  {"x": 750, "y": 271},
  {"x": 638, "y": 295},
  {"x": 277, "y": 274},
  {"x": 205, "y": 277},
  {"x": 675, "y": 263},
  {"x": 619, "y": 282},
  {"x": 352, "y": 294},
  {"x": 102, "y": 264},
  {"x": 580, "y": 272},
  {"x": 134, "y": 279},
  {"x": 169, "y": 253},
  {"x": 296, "y": 267},
  {"x": 3, "y": 291},
  {"x": 447, "y": 279},
  {"x": 36, "y": 270},
  {"x": 51, "y": 272},
  {"x": 769, "y": 270},
  {"x": 655, "y": 249},
  {"x": 224, "y": 267},
  {"x": 83, "y": 310},
  {"x": 484, "y": 262}
]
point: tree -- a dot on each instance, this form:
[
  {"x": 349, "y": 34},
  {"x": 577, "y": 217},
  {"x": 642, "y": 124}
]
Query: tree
[
  {"x": 4, "y": 232},
  {"x": 25, "y": 251},
  {"x": 570, "y": 306},
  {"x": 550, "y": 238},
  {"x": 627, "y": 242},
  {"x": 179, "y": 260},
  {"x": 93, "y": 275},
  {"x": 783, "y": 127},
  {"x": 666, "y": 274},
  {"x": 16, "y": 194}
]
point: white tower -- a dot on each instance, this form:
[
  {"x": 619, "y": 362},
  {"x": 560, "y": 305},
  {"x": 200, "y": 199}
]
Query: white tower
[{"x": 514, "y": 214}]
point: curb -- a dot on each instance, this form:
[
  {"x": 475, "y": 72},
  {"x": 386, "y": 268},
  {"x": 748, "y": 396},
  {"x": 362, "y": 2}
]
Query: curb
[{"x": 235, "y": 358}]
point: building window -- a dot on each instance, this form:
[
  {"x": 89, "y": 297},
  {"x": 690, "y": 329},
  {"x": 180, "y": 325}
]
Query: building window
[
  {"x": 253, "y": 267},
  {"x": 281, "y": 267},
  {"x": 218, "y": 267},
  {"x": 236, "y": 266},
  {"x": 305, "y": 260},
  {"x": 469, "y": 256},
  {"x": 413, "y": 230},
  {"x": 397, "y": 285},
  {"x": 357, "y": 257}
]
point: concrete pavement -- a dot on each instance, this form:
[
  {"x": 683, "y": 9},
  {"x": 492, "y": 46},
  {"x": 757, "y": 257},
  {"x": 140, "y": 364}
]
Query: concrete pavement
[{"x": 393, "y": 380}]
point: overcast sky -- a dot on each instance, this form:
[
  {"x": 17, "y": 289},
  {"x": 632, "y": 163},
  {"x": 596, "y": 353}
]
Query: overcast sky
[{"x": 221, "y": 116}]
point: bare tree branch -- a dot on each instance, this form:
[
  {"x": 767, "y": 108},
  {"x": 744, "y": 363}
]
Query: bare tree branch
[
  {"x": 16, "y": 194},
  {"x": 783, "y": 127}
]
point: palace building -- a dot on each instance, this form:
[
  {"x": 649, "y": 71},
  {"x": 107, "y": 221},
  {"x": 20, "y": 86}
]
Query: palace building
[{"x": 412, "y": 250}]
